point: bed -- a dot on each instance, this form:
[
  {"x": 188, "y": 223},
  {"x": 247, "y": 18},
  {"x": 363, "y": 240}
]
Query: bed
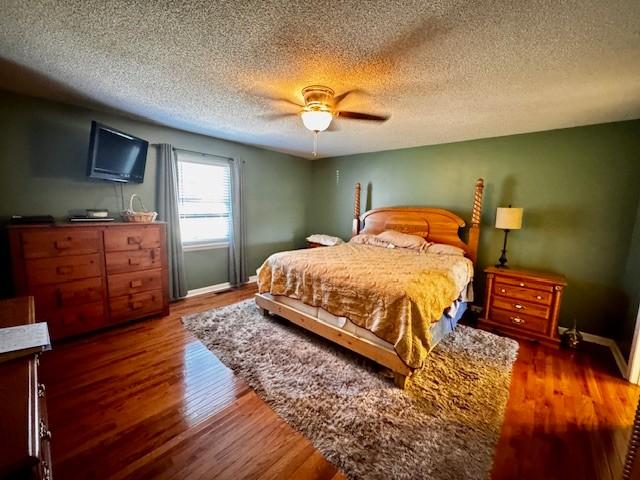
[{"x": 389, "y": 305}]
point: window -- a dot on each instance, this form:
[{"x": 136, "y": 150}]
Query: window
[{"x": 204, "y": 201}]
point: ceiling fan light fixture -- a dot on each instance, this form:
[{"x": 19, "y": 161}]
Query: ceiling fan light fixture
[{"x": 316, "y": 120}]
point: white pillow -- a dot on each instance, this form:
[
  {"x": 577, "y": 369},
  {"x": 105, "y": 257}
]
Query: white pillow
[
  {"x": 326, "y": 240},
  {"x": 403, "y": 240},
  {"x": 444, "y": 249}
]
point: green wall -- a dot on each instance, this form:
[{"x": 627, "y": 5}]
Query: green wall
[
  {"x": 43, "y": 155},
  {"x": 578, "y": 187}
]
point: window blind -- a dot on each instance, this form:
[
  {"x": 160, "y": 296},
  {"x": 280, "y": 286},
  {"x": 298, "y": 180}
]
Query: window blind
[{"x": 204, "y": 199}]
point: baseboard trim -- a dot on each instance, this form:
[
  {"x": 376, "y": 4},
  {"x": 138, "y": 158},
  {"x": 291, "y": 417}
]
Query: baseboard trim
[
  {"x": 607, "y": 342},
  {"x": 220, "y": 287}
]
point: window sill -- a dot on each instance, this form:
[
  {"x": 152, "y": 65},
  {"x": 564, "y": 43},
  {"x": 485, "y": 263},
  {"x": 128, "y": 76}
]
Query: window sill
[{"x": 194, "y": 247}]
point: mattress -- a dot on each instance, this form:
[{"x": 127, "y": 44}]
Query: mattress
[{"x": 439, "y": 329}]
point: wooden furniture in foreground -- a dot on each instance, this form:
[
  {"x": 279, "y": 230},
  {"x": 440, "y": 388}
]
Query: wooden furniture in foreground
[
  {"x": 631, "y": 469},
  {"x": 523, "y": 304},
  {"x": 25, "y": 450},
  {"x": 90, "y": 276},
  {"x": 433, "y": 224}
]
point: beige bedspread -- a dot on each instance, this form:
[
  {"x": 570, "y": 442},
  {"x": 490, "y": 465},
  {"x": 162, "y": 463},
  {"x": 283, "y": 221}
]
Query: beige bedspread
[{"x": 395, "y": 293}]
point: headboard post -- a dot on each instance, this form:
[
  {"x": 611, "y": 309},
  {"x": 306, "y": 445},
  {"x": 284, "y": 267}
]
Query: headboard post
[
  {"x": 474, "y": 230},
  {"x": 355, "y": 229}
]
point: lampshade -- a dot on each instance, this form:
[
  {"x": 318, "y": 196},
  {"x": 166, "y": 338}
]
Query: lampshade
[
  {"x": 509, "y": 218},
  {"x": 316, "y": 120}
]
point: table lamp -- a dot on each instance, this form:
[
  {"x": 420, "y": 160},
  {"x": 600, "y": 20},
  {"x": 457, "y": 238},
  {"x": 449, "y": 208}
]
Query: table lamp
[{"x": 507, "y": 219}]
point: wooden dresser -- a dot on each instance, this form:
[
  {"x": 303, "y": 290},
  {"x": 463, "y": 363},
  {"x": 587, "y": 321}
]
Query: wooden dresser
[
  {"x": 523, "y": 304},
  {"x": 24, "y": 433},
  {"x": 90, "y": 276}
]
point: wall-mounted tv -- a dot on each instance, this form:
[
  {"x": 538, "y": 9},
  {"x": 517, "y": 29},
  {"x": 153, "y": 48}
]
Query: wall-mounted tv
[{"x": 116, "y": 155}]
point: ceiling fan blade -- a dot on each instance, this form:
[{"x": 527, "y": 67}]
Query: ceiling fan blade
[
  {"x": 279, "y": 99},
  {"x": 363, "y": 116},
  {"x": 338, "y": 98},
  {"x": 276, "y": 116}
]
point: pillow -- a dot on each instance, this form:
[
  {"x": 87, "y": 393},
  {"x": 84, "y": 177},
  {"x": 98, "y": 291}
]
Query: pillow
[
  {"x": 403, "y": 240},
  {"x": 444, "y": 249},
  {"x": 369, "y": 239},
  {"x": 326, "y": 240}
]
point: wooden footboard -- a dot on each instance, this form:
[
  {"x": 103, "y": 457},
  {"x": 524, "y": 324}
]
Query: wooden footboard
[{"x": 343, "y": 338}]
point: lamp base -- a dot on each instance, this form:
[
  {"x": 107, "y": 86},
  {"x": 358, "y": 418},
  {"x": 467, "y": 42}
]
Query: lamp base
[{"x": 502, "y": 261}]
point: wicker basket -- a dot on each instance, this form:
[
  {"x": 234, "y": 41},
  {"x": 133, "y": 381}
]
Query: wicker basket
[{"x": 143, "y": 216}]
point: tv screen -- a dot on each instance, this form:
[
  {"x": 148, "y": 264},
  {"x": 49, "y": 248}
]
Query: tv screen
[{"x": 116, "y": 155}]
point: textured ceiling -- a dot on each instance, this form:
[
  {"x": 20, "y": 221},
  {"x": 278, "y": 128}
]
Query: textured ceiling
[{"x": 444, "y": 70}]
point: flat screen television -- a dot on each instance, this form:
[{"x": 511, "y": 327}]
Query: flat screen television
[{"x": 116, "y": 155}]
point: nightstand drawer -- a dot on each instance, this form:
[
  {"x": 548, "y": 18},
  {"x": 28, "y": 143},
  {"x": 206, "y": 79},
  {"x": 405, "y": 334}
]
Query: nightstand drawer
[
  {"x": 518, "y": 306},
  {"x": 519, "y": 320},
  {"x": 520, "y": 293},
  {"x": 525, "y": 283}
]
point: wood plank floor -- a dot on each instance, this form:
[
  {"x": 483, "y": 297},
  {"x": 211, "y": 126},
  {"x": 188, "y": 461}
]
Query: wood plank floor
[{"x": 149, "y": 401}]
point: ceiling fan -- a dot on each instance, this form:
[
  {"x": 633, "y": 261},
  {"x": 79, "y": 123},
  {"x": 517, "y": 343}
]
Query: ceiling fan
[{"x": 321, "y": 107}]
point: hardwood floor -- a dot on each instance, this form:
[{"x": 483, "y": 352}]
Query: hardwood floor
[{"x": 150, "y": 401}]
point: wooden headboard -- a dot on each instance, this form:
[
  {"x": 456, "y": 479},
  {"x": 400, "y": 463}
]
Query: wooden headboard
[{"x": 434, "y": 224}]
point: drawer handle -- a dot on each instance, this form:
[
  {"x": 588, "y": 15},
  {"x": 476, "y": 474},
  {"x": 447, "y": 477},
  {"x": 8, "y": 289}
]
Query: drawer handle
[
  {"x": 134, "y": 261},
  {"x": 502, "y": 290},
  {"x": 42, "y": 390},
  {"x": 46, "y": 471},
  {"x": 539, "y": 297},
  {"x": 518, "y": 306},
  {"x": 522, "y": 284},
  {"x": 134, "y": 240},
  {"x": 64, "y": 269},
  {"x": 135, "y": 283},
  {"x": 517, "y": 320},
  {"x": 136, "y": 305},
  {"x": 152, "y": 254},
  {"x": 45, "y": 433}
]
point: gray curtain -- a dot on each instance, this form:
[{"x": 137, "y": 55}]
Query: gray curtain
[
  {"x": 167, "y": 204},
  {"x": 237, "y": 242}
]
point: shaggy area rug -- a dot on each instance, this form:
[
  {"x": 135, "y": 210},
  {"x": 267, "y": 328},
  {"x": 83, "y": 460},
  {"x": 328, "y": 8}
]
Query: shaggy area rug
[{"x": 444, "y": 426}]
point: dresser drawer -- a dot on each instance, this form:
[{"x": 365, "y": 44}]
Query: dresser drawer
[
  {"x": 134, "y": 282},
  {"x": 518, "y": 306},
  {"x": 520, "y": 321},
  {"x": 45, "y": 271},
  {"x": 68, "y": 294},
  {"x": 69, "y": 321},
  {"x": 524, "y": 283},
  {"x": 132, "y": 238},
  {"x": 520, "y": 293},
  {"x": 120, "y": 262},
  {"x": 64, "y": 241},
  {"x": 137, "y": 305}
]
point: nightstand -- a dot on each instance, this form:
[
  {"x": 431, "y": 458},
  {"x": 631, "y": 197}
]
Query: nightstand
[{"x": 523, "y": 304}]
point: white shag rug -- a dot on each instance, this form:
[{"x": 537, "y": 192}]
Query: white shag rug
[{"x": 444, "y": 426}]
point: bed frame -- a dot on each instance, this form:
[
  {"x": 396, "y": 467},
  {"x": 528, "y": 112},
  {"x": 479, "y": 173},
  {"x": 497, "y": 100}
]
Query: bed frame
[{"x": 434, "y": 224}]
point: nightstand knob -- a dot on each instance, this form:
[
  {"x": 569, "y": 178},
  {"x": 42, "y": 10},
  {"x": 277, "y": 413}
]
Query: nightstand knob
[
  {"x": 539, "y": 297},
  {"x": 502, "y": 290},
  {"x": 522, "y": 284},
  {"x": 517, "y": 320},
  {"x": 518, "y": 306}
]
